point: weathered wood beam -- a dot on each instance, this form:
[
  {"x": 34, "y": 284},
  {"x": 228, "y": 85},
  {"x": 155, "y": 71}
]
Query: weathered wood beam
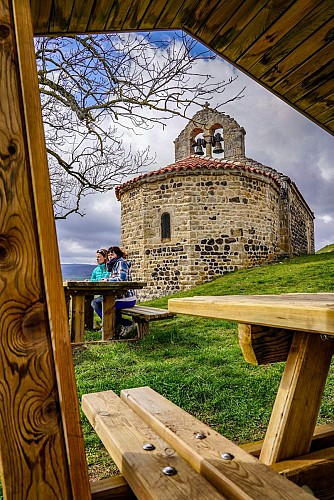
[
  {"x": 112, "y": 488},
  {"x": 261, "y": 345},
  {"x": 42, "y": 451}
]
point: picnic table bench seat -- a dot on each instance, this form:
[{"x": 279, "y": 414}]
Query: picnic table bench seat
[
  {"x": 145, "y": 433},
  {"x": 142, "y": 315}
]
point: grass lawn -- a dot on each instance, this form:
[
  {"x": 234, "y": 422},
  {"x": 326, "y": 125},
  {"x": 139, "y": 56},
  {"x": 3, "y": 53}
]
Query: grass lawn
[{"x": 197, "y": 362}]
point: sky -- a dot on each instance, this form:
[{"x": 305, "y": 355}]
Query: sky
[{"x": 276, "y": 135}]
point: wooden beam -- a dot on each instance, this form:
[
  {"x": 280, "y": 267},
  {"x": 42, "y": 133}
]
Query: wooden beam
[
  {"x": 41, "y": 441},
  {"x": 261, "y": 345},
  {"x": 323, "y": 437},
  {"x": 297, "y": 404},
  {"x": 112, "y": 488},
  {"x": 316, "y": 470}
]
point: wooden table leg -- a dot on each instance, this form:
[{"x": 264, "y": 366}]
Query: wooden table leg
[
  {"x": 298, "y": 399},
  {"x": 78, "y": 318},
  {"x": 109, "y": 319},
  {"x": 89, "y": 312}
]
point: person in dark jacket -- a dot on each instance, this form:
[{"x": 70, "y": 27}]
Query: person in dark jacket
[{"x": 120, "y": 270}]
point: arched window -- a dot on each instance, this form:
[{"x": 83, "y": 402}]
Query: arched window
[{"x": 165, "y": 226}]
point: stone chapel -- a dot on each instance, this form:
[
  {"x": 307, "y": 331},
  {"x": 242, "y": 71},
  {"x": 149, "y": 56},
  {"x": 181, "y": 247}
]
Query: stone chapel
[{"x": 202, "y": 216}]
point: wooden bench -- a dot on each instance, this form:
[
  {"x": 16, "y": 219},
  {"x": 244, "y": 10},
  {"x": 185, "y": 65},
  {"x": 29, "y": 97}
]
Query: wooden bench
[
  {"x": 145, "y": 434},
  {"x": 142, "y": 315}
]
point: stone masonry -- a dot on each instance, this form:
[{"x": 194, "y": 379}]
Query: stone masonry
[{"x": 200, "y": 218}]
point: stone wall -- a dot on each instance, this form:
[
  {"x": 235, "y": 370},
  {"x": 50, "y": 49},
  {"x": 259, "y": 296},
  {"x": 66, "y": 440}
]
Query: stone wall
[{"x": 224, "y": 216}]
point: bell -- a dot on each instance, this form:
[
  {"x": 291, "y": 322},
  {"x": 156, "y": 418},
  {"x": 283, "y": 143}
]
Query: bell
[
  {"x": 218, "y": 148},
  {"x": 198, "y": 150},
  {"x": 217, "y": 138}
]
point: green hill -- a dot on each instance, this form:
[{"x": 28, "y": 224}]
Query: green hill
[{"x": 327, "y": 248}]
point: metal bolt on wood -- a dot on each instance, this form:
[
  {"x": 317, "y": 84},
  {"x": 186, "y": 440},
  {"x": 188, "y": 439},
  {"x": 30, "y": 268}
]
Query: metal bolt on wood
[
  {"x": 200, "y": 435},
  {"x": 169, "y": 471},
  {"x": 148, "y": 447},
  {"x": 227, "y": 456}
]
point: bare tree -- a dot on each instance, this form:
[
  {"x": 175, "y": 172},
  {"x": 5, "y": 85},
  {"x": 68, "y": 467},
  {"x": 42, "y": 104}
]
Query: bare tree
[{"x": 94, "y": 86}]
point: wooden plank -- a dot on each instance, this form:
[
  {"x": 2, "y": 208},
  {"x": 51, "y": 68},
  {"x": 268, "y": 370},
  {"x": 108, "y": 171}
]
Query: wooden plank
[
  {"x": 201, "y": 12},
  {"x": 236, "y": 24},
  {"x": 309, "y": 75},
  {"x": 323, "y": 437},
  {"x": 109, "y": 320},
  {"x": 42, "y": 447},
  {"x": 314, "y": 44},
  {"x": 123, "y": 434},
  {"x": 308, "y": 312},
  {"x": 314, "y": 96},
  {"x": 242, "y": 477},
  {"x": 290, "y": 18},
  {"x": 128, "y": 16},
  {"x": 261, "y": 345},
  {"x": 100, "y": 15},
  {"x": 298, "y": 400},
  {"x": 256, "y": 28},
  {"x": 160, "y": 14},
  {"x": 115, "y": 488},
  {"x": 60, "y": 16},
  {"x": 78, "y": 318},
  {"x": 326, "y": 103},
  {"x": 40, "y": 13},
  {"x": 150, "y": 313},
  {"x": 314, "y": 469},
  {"x": 312, "y": 15},
  {"x": 80, "y": 16},
  {"x": 216, "y": 20}
]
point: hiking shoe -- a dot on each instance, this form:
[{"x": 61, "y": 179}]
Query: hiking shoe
[{"x": 128, "y": 332}]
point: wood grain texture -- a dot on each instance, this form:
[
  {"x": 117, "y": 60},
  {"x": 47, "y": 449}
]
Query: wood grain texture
[
  {"x": 304, "y": 312},
  {"x": 78, "y": 318},
  {"x": 323, "y": 437},
  {"x": 316, "y": 470},
  {"x": 112, "y": 488},
  {"x": 109, "y": 319},
  {"x": 40, "y": 457},
  {"x": 123, "y": 434},
  {"x": 298, "y": 400},
  {"x": 243, "y": 477},
  {"x": 261, "y": 345}
]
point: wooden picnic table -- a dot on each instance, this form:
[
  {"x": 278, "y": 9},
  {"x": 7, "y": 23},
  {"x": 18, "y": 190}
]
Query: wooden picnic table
[
  {"x": 77, "y": 291},
  {"x": 298, "y": 329}
]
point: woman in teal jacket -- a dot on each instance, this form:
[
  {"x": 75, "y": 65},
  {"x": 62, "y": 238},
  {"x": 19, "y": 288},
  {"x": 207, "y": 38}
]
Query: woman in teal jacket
[{"x": 99, "y": 273}]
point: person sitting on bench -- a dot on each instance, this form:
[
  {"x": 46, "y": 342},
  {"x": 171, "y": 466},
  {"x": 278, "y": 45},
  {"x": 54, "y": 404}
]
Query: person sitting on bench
[{"x": 120, "y": 270}]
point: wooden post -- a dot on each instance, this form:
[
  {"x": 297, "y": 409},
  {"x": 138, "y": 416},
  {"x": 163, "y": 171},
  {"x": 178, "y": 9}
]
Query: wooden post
[
  {"x": 89, "y": 312},
  {"x": 42, "y": 451}
]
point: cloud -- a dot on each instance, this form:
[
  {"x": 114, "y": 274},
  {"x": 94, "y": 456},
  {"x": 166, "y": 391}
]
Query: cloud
[{"x": 276, "y": 135}]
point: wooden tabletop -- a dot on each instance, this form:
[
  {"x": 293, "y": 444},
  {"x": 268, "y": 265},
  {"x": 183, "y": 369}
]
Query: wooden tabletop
[
  {"x": 101, "y": 287},
  {"x": 312, "y": 312}
]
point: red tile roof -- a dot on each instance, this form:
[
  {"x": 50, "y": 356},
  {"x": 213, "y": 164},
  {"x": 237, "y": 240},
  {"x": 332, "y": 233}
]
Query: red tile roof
[{"x": 194, "y": 162}]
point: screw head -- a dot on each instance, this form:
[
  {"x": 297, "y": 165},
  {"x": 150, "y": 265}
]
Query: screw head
[
  {"x": 148, "y": 447},
  {"x": 200, "y": 435},
  {"x": 169, "y": 471},
  {"x": 227, "y": 456}
]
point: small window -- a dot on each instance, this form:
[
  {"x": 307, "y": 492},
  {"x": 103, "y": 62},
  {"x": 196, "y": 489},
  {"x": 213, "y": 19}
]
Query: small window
[{"x": 165, "y": 226}]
